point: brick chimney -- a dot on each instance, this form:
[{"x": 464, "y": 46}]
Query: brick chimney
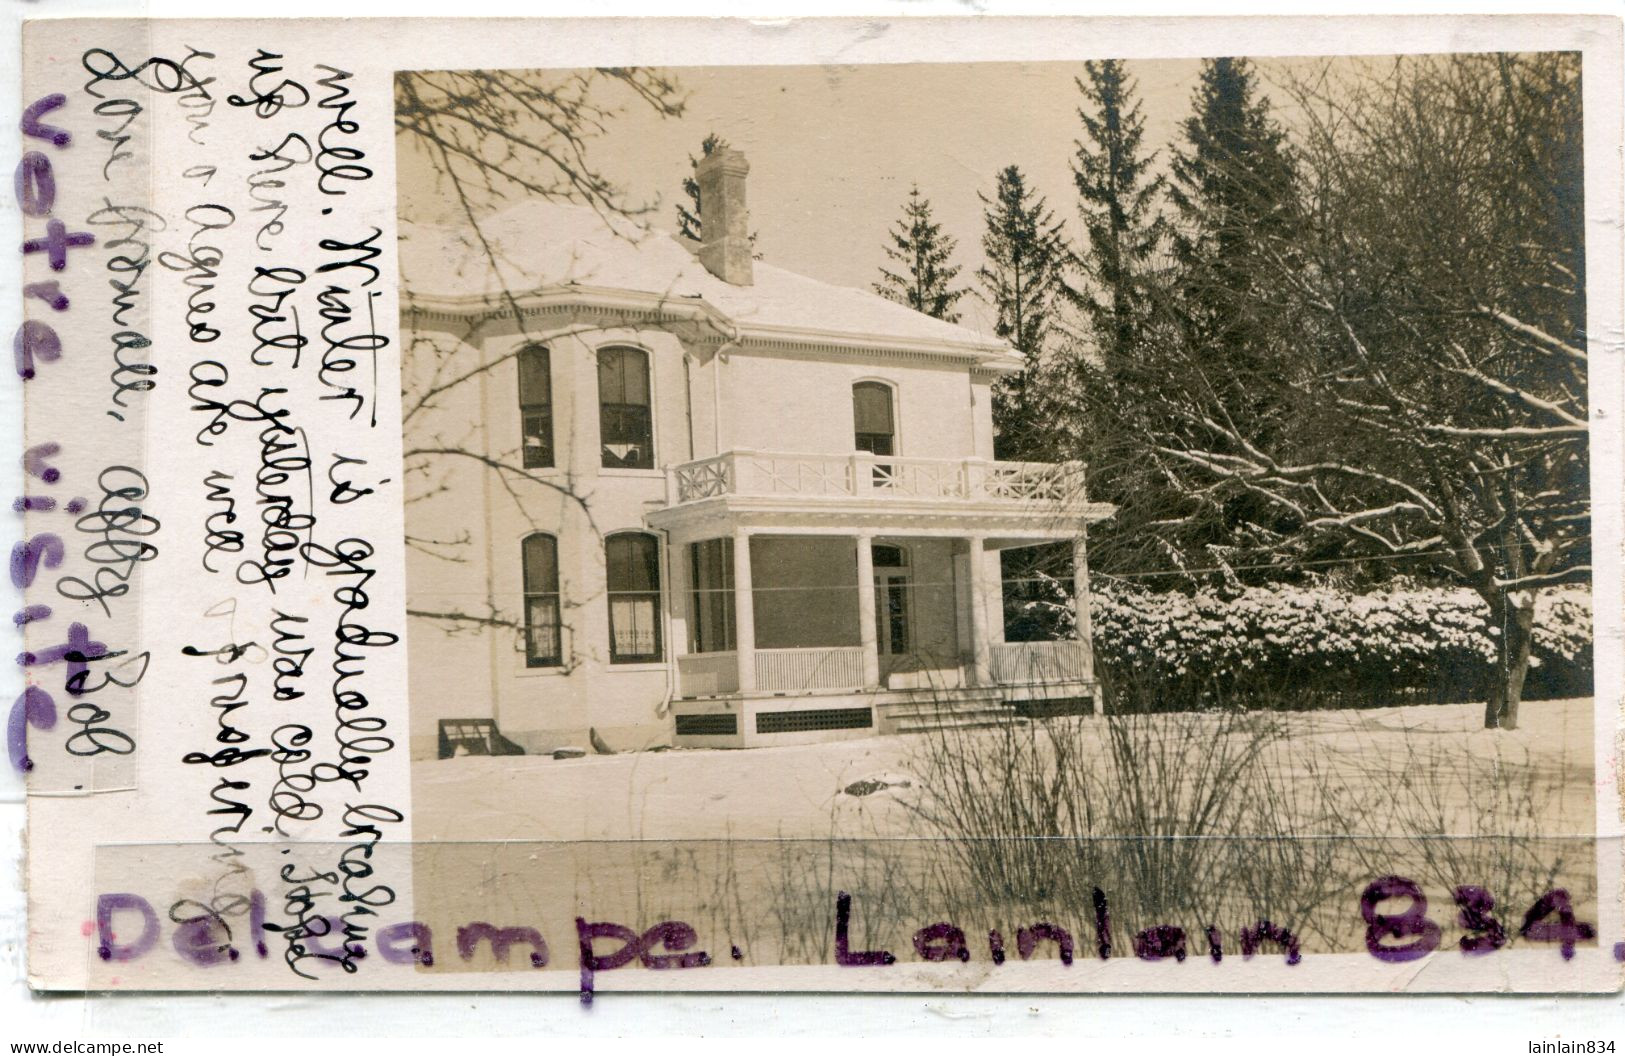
[{"x": 724, "y": 226}]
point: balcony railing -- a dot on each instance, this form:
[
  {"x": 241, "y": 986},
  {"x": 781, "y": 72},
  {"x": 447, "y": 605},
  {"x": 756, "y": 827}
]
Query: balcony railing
[{"x": 862, "y": 475}]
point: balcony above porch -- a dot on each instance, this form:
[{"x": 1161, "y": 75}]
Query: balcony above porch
[{"x": 746, "y": 488}]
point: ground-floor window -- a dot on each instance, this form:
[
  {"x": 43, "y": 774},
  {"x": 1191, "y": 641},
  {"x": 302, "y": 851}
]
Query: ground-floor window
[
  {"x": 632, "y": 563},
  {"x": 540, "y": 556},
  {"x": 711, "y": 618}
]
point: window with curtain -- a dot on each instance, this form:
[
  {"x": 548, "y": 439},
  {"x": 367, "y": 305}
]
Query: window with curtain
[
  {"x": 872, "y": 414},
  {"x": 711, "y": 616},
  {"x": 536, "y": 407},
  {"x": 632, "y": 561},
  {"x": 540, "y": 556},
  {"x": 624, "y": 421}
]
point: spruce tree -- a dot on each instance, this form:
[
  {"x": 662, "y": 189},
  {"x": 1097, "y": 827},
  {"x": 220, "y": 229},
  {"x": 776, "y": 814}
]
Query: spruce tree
[
  {"x": 1117, "y": 198},
  {"x": 1223, "y": 329},
  {"x": 1234, "y": 187},
  {"x": 924, "y": 279},
  {"x": 1024, "y": 275}
]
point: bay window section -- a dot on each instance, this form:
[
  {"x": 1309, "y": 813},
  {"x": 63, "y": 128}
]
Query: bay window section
[{"x": 711, "y": 609}]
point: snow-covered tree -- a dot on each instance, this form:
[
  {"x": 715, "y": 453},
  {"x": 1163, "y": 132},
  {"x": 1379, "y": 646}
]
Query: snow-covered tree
[
  {"x": 1432, "y": 409},
  {"x": 1208, "y": 315}
]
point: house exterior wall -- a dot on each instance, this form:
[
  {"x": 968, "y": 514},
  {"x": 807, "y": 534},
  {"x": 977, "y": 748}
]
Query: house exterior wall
[
  {"x": 793, "y": 403},
  {"x": 702, "y": 403}
]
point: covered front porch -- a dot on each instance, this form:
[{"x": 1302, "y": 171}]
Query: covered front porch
[
  {"x": 820, "y": 596},
  {"x": 789, "y": 636}
]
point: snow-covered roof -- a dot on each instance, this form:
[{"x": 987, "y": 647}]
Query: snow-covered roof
[{"x": 549, "y": 247}]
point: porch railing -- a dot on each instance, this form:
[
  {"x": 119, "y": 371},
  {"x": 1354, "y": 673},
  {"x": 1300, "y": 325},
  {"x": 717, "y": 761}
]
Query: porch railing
[
  {"x": 863, "y": 475},
  {"x": 1037, "y": 663},
  {"x": 707, "y": 674},
  {"x": 836, "y": 667},
  {"x": 777, "y": 670}
]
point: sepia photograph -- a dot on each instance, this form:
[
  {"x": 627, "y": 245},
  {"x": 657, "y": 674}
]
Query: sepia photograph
[
  {"x": 1078, "y": 523},
  {"x": 1126, "y": 508}
]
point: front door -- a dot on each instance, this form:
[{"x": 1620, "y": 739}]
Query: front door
[{"x": 894, "y": 633}]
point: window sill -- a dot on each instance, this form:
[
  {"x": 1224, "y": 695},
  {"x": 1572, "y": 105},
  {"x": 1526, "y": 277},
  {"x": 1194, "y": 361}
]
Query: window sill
[
  {"x": 645, "y": 474},
  {"x": 525, "y": 671},
  {"x": 642, "y": 665}
]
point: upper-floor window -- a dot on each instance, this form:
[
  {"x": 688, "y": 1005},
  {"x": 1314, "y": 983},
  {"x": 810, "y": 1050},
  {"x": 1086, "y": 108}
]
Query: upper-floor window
[
  {"x": 540, "y": 556},
  {"x": 632, "y": 561},
  {"x": 536, "y": 407},
  {"x": 876, "y": 424},
  {"x": 624, "y": 421}
]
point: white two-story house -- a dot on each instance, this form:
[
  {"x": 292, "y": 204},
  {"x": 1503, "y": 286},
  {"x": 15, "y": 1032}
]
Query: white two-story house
[{"x": 662, "y": 493}]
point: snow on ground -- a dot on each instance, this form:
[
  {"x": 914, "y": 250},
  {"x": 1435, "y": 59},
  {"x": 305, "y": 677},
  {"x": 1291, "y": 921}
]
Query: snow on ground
[{"x": 798, "y": 791}]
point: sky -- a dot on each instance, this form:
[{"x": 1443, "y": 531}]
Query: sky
[{"x": 833, "y": 151}]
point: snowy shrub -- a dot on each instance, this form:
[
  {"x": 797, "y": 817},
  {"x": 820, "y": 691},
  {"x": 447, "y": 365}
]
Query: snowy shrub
[{"x": 1309, "y": 642}]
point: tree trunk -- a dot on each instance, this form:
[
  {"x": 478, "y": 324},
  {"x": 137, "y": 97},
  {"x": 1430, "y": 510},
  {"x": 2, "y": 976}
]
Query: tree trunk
[{"x": 1517, "y": 626}]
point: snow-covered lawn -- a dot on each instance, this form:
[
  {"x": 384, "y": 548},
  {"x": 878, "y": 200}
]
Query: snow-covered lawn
[{"x": 798, "y": 792}]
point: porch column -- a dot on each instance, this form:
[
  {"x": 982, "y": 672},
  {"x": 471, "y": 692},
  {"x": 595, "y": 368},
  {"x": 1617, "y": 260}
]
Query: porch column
[
  {"x": 677, "y": 598},
  {"x": 867, "y": 628},
  {"x": 981, "y": 663},
  {"x": 1082, "y": 620},
  {"x": 744, "y": 613}
]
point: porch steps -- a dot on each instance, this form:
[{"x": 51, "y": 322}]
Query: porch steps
[{"x": 942, "y": 710}]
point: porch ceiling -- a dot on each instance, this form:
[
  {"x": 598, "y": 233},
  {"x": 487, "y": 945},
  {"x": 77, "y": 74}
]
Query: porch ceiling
[{"x": 1008, "y": 523}]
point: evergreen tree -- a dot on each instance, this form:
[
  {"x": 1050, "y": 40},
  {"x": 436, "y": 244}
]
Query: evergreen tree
[
  {"x": 924, "y": 279},
  {"x": 1214, "y": 321},
  {"x": 1117, "y": 201},
  {"x": 1117, "y": 198},
  {"x": 1024, "y": 274},
  {"x": 1234, "y": 186}
]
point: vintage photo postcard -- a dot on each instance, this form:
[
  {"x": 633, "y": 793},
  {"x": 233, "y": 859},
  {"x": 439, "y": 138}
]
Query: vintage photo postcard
[{"x": 1055, "y": 506}]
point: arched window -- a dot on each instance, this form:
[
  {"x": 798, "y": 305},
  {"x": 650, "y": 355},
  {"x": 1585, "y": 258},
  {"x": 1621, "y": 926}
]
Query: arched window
[
  {"x": 632, "y": 562},
  {"x": 624, "y": 422},
  {"x": 540, "y": 555},
  {"x": 889, "y": 556},
  {"x": 876, "y": 425},
  {"x": 536, "y": 407}
]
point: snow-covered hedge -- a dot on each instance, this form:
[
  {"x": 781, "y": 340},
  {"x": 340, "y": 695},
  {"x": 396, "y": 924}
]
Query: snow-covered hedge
[{"x": 1262, "y": 639}]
